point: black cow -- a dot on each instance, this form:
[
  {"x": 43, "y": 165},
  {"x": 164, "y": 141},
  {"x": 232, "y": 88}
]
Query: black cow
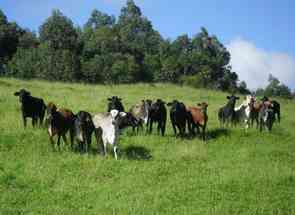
[
  {"x": 83, "y": 128},
  {"x": 178, "y": 116},
  {"x": 31, "y": 107},
  {"x": 227, "y": 112},
  {"x": 275, "y": 106},
  {"x": 157, "y": 113},
  {"x": 115, "y": 103}
]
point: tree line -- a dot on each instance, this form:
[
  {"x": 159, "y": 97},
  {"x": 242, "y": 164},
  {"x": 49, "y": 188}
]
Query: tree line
[{"x": 112, "y": 50}]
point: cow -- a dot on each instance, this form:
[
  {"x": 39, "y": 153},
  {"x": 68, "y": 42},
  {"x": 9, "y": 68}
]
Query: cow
[
  {"x": 83, "y": 129},
  {"x": 31, "y": 107},
  {"x": 227, "y": 112},
  {"x": 107, "y": 129},
  {"x": 266, "y": 116},
  {"x": 60, "y": 121},
  {"x": 157, "y": 113},
  {"x": 243, "y": 112},
  {"x": 255, "y": 107},
  {"x": 115, "y": 103},
  {"x": 275, "y": 106},
  {"x": 141, "y": 112},
  {"x": 198, "y": 118},
  {"x": 178, "y": 117}
]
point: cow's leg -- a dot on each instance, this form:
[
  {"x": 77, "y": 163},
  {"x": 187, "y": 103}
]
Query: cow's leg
[
  {"x": 104, "y": 148},
  {"x": 25, "y": 121},
  {"x": 51, "y": 141},
  {"x": 198, "y": 129},
  {"x": 180, "y": 129},
  {"x": 58, "y": 141},
  {"x": 246, "y": 123},
  {"x": 257, "y": 123},
  {"x": 33, "y": 121},
  {"x": 64, "y": 137},
  {"x": 151, "y": 126},
  {"x": 98, "y": 137},
  {"x": 260, "y": 125},
  {"x": 204, "y": 132},
  {"x": 72, "y": 137},
  {"x": 279, "y": 115},
  {"x": 174, "y": 128},
  {"x": 163, "y": 128},
  {"x": 159, "y": 127},
  {"x": 88, "y": 142},
  {"x": 115, "y": 152}
]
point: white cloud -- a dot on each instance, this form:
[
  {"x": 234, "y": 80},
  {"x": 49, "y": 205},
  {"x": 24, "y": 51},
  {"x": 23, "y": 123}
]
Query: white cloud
[{"x": 254, "y": 65}]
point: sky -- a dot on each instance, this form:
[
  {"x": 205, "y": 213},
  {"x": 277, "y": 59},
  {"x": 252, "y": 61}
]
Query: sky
[{"x": 259, "y": 34}]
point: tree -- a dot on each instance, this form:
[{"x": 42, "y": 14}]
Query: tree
[
  {"x": 242, "y": 88},
  {"x": 99, "y": 19},
  {"x": 9, "y": 36},
  {"x": 137, "y": 35},
  {"x": 275, "y": 88},
  {"x": 58, "y": 31}
]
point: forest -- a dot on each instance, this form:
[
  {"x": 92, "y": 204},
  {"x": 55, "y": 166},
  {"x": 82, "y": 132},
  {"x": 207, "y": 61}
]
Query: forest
[{"x": 110, "y": 50}]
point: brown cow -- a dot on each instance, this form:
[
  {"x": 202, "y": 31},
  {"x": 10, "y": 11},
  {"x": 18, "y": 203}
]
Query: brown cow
[
  {"x": 60, "y": 121},
  {"x": 198, "y": 118}
]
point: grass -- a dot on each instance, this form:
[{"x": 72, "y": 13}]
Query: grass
[{"x": 237, "y": 172}]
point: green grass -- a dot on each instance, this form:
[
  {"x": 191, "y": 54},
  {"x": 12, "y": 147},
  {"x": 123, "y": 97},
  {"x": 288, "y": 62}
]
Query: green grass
[{"x": 237, "y": 172}]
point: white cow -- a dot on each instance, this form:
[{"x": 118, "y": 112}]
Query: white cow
[
  {"x": 107, "y": 129},
  {"x": 243, "y": 112}
]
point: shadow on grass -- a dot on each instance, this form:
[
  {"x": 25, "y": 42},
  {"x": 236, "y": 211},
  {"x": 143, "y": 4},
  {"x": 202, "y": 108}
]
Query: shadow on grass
[
  {"x": 217, "y": 132},
  {"x": 136, "y": 153}
]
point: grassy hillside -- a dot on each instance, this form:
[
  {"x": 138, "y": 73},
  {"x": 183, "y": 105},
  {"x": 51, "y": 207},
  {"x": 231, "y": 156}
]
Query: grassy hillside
[{"x": 237, "y": 172}]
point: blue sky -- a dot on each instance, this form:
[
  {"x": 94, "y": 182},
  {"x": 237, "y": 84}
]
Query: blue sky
[{"x": 263, "y": 28}]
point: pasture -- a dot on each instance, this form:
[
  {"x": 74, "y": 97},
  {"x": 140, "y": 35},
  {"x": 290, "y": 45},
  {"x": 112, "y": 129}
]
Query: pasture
[{"x": 236, "y": 172}]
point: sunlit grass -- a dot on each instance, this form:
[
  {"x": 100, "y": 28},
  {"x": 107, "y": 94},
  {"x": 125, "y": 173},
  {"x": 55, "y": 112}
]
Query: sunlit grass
[{"x": 236, "y": 172}]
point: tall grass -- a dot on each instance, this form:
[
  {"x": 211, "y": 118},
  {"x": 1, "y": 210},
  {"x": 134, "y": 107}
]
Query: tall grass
[{"x": 236, "y": 172}]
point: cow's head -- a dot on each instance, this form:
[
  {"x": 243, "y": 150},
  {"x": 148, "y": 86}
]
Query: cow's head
[
  {"x": 232, "y": 100},
  {"x": 115, "y": 115},
  {"x": 158, "y": 105},
  {"x": 22, "y": 94},
  {"x": 203, "y": 106},
  {"x": 115, "y": 103},
  {"x": 51, "y": 109},
  {"x": 127, "y": 120},
  {"x": 264, "y": 99}
]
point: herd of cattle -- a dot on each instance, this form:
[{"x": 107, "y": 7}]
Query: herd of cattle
[{"x": 107, "y": 126}]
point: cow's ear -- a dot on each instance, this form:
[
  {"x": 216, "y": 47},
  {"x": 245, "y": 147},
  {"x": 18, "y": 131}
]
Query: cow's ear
[
  {"x": 109, "y": 99},
  {"x": 120, "y": 99},
  {"x": 122, "y": 114},
  {"x": 169, "y": 103},
  {"x": 237, "y": 97},
  {"x": 199, "y": 104},
  {"x": 228, "y": 97},
  {"x": 16, "y": 93},
  {"x": 28, "y": 93}
]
